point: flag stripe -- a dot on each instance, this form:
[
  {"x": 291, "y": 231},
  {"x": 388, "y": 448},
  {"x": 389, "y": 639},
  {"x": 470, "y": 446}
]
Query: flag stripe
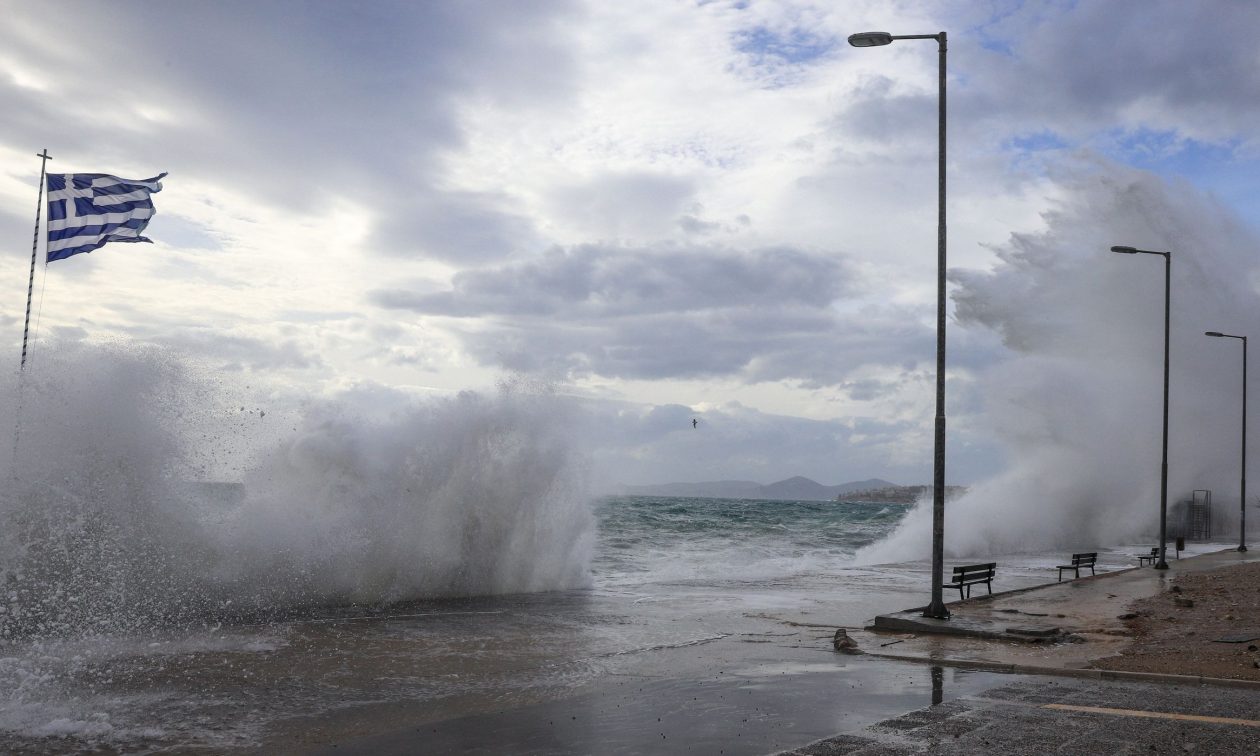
[
  {"x": 89, "y": 243},
  {"x": 73, "y": 237},
  {"x": 130, "y": 195},
  {"x": 102, "y": 220}
]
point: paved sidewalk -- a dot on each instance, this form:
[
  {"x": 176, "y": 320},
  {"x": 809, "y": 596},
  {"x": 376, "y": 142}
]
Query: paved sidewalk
[{"x": 1050, "y": 629}]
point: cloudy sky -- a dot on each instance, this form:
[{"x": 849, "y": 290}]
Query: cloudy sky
[{"x": 667, "y": 209}]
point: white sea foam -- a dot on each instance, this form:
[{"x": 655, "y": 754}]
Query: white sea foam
[
  {"x": 472, "y": 494},
  {"x": 1077, "y": 401}
]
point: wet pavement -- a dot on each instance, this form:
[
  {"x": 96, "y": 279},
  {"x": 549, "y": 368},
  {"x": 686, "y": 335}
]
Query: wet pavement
[
  {"x": 1059, "y": 626},
  {"x": 1058, "y": 716},
  {"x": 756, "y": 707}
]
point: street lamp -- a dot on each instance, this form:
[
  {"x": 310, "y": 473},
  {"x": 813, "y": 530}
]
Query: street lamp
[
  {"x": 1242, "y": 486},
  {"x": 1162, "y": 564},
  {"x": 937, "y": 608}
]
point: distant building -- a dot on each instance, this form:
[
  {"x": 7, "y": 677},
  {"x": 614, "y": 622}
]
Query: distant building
[{"x": 899, "y": 494}]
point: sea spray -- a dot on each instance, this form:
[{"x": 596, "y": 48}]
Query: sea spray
[
  {"x": 462, "y": 496},
  {"x": 92, "y": 536},
  {"x": 1077, "y": 399},
  {"x": 103, "y": 532}
]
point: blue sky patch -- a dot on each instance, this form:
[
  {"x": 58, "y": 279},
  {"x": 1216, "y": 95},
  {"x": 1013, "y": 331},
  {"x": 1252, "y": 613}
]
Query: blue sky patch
[
  {"x": 797, "y": 46},
  {"x": 1166, "y": 151},
  {"x": 1036, "y": 142}
]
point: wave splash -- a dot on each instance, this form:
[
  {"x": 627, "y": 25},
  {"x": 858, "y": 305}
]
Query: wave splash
[
  {"x": 1076, "y": 397},
  {"x": 104, "y": 533}
]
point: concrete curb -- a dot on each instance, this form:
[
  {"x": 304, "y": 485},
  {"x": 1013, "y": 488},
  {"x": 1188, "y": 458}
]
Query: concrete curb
[
  {"x": 1088, "y": 673},
  {"x": 984, "y": 597}
]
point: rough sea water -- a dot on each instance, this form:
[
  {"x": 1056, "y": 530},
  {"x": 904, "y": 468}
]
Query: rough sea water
[{"x": 652, "y": 540}]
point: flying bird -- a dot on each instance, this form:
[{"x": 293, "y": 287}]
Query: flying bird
[{"x": 694, "y": 422}]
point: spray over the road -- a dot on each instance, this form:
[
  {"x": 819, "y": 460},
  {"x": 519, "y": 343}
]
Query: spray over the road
[{"x": 1076, "y": 396}]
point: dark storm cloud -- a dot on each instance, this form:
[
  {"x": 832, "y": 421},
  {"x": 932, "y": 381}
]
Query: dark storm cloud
[
  {"x": 1180, "y": 64},
  {"x": 603, "y": 282},
  {"x": 671, "y": 312},
  {"x": 1117, "y": 76},
  {"x": 296, "y": 102}
]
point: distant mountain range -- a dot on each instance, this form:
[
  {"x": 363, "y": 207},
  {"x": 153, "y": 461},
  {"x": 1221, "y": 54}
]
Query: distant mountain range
[{"x": 795, "y": 489}]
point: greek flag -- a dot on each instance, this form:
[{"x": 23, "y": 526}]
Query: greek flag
[{"x": 86, "y": 211}]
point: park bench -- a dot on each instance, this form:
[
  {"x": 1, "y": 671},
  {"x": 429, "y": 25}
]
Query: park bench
[
  {"x": 973, "y": 574},
  {"x": 1151, "y": 557},
  {"x": 1079, "y": 562}
]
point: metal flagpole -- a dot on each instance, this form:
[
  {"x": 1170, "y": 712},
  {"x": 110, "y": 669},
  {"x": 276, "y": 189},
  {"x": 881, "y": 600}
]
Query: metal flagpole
[{"x": 30, "y": 286}]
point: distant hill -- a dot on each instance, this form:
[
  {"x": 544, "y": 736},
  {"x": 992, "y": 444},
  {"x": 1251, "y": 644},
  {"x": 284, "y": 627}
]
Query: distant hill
[{"x": 795, "y": 489}]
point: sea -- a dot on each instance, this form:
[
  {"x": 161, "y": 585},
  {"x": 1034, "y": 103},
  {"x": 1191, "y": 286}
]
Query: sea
[{"x": 672, "y": 593}]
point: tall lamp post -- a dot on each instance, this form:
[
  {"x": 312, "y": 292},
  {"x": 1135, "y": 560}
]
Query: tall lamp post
[
  {"x": 1162, "y": 564},
  {"x": 1242, "y": 485},
  {"x": 937, "y": 608}
]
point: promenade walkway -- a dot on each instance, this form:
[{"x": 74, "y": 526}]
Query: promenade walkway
[
  {"x": 1058, "y": 702},
  {"x": 994, "y": 632}
]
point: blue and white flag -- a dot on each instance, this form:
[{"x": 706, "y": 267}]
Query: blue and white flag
[{"x": 86, "y": 211}]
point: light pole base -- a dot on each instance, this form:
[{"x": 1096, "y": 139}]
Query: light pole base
[
  {"x": 936, "y": 610},
  {"x": 1161, "y": 565},
  {"x": 1242, "y": 548}
]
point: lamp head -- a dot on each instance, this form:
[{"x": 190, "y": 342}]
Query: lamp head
[
  {"x": 870, "y": 39},
  {"x": 1125, "y": 250},
  {"x": 1218, "y": 334}
]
